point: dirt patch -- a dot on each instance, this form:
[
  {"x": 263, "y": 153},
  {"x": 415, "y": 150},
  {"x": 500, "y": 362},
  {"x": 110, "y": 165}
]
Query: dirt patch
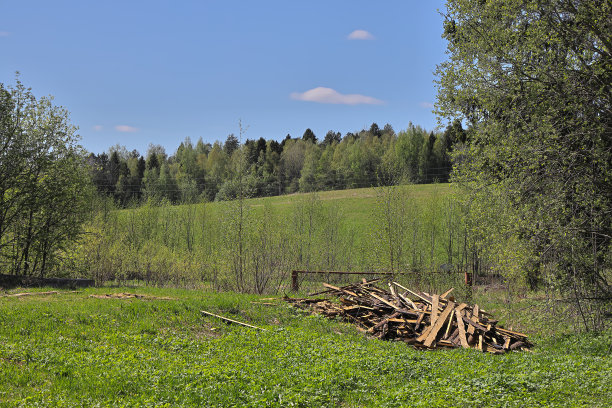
[
  {"x": 13, "y": 361},
  {"x": 205, "y": 331}
]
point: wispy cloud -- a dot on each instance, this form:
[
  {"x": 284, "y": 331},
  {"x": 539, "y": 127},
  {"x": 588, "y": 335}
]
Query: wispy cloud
[
  {"x": 328, "y": 95},
  {"x": 98, "y": 128},
  {"x": 426, "y": 105},
  {"x": 4, "y": 34},
  {"x": 360, "y": 35},
  {"x": 126, "y": 129}
]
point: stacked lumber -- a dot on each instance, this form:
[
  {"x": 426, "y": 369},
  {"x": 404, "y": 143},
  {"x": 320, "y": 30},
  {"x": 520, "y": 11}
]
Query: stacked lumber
[{"x": 426, "y": 321}]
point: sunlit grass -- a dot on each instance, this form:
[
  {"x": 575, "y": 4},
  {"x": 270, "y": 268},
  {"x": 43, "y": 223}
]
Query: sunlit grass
[{"x": 70, "y": 349}]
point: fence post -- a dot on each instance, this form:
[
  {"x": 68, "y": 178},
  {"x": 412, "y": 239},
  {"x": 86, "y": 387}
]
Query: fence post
[
  {"x": 468, "y": 278},
  {"x": 295, "y": 286}
]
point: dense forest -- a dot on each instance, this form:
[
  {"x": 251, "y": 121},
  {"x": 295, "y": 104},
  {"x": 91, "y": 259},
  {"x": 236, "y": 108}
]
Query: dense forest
[{"x": 370, "y": 157}]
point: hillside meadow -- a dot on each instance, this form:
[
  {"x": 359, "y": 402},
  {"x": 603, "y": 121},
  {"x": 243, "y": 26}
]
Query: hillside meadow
[
  {"x": 71, "y": 349},
  {"x": 252, "y": 245}
]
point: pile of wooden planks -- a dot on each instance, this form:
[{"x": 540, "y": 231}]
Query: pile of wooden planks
[{"x": 417, "y": 318}]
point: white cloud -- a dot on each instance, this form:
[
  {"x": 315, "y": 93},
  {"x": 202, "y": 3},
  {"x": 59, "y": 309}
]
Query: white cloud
[
  {"x": 360, "y": 35},
  {"x": 126, "y": 129},
  {"x": 328, "y": 95},
  {"x": 427, "y": 105},
  {"x": 98, "y": 128},
  {"x": 4, "y": 33}
]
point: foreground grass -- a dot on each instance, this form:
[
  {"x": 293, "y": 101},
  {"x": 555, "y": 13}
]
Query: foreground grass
[{"x": 72, "y": 350}]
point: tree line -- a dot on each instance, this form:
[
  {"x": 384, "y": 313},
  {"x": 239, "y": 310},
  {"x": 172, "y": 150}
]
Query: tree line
[{"x": 209, "y": 172}]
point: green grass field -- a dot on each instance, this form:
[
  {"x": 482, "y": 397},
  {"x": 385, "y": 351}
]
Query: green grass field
[
  {"x": 337, "y": 230},
  {"x": 70, "y": 349}
]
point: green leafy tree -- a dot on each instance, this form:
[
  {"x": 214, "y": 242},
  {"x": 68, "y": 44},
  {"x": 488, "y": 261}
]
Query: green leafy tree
[
  {"x": 44, "y": 182},
  {"x": 533, "y": 80}
]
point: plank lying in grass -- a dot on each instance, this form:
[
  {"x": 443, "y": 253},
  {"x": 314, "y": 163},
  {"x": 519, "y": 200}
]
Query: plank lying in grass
[
  {"x": 53, "y": 292},
  {"x": 228, "y": 320},
  {"x": 130, "y": 296}
]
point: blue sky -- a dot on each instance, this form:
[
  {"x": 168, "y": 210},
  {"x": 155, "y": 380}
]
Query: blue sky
[{"x": 140, "y": 72}]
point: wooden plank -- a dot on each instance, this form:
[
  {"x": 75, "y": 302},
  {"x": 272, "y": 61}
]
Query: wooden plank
[
  {"x": 450, "y": 323},
  {"x": 407, "y": 301},
  {"x": 386, "y": 302},
  {"x": 445, "y": 294},
  {"x": 348, "y": 273},
  {"x": 424, "y": 334},
  {"x": 382, "y": 323},
  {"x": 506, "y": 343},
  {"x": 399, "y": 320},
  {"x": 439, "y": 323},
  {"x": 510, "y": 332},
  {"x": 480, "y": 342},
  {"x": 327, "y": 285},
  {"x": 434, "y": 309},
  {"x": 53, "y": 292},
  {"x": 226, "y": 319},
  {"x": 461, "y": 326},
  {"x": 420, "y": 319},
  {"x": 445, "y": 343},
  {"x": 474, "y": 324},
  {"x": 426, "y": 296},
  {"x": 412, "y": 312},
  {"x": 344, "y": 287},
  {"x": 356, "y": 307},
  {"x": 414, "y": 293}
]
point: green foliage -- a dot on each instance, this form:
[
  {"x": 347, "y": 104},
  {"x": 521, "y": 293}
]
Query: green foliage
[
  {"x": 251, "y": 245},
  {"x": 44, "y": 186},
  {"x": 532, "y": 81},
  {"x": 73, "y": 350},
  {"x": 366, "y": 158}
]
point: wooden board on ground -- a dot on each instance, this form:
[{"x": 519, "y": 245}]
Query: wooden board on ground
[
  {"x": 228, "y": 320},
  {"x": 129, "y": 296}
]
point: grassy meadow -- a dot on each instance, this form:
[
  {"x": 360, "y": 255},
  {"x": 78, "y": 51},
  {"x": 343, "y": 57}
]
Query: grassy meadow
[
  {"x": 252, "y": 245},
  {"x": 74, "y": 349},
  {"x": 70, "y": 349}
]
